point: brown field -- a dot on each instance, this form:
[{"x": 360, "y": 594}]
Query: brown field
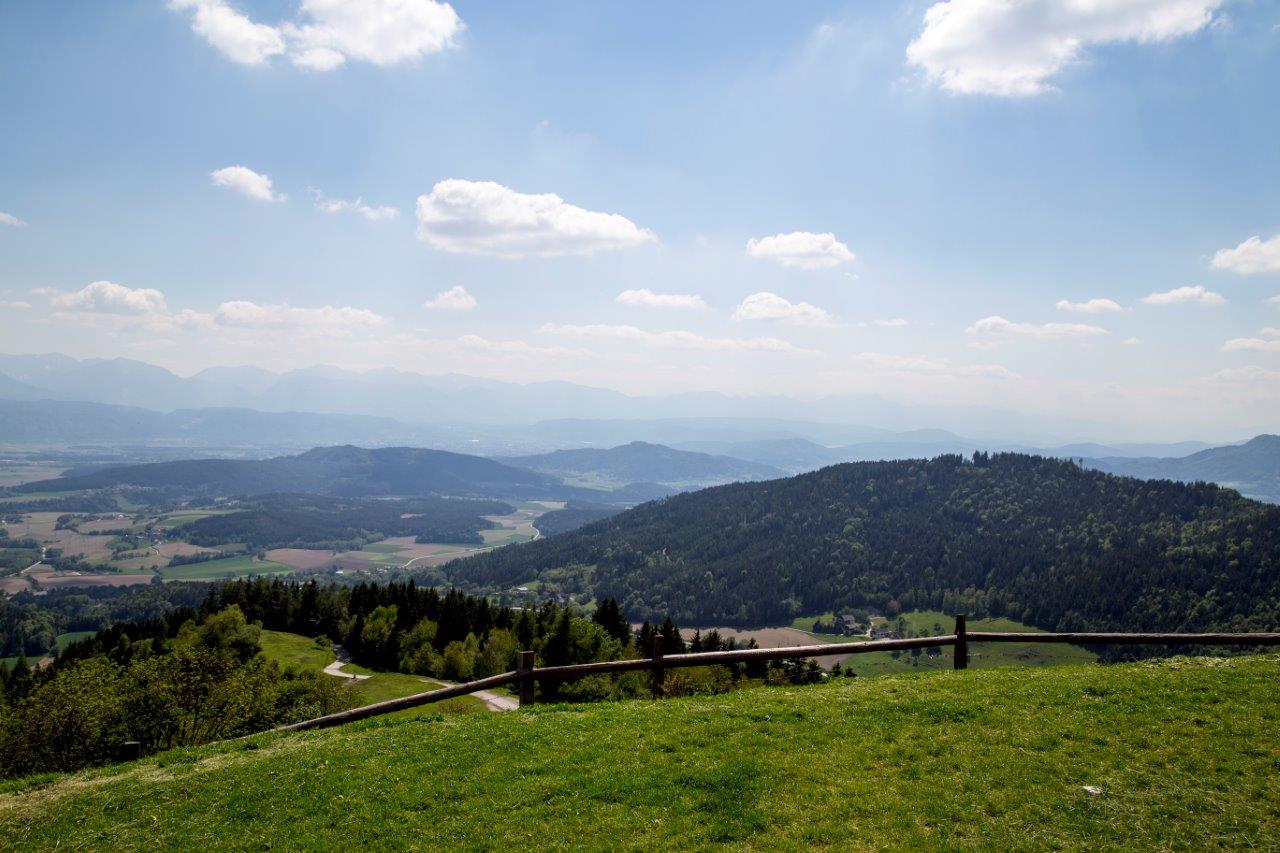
[
  {"x": 303, "y": 559},
  {"x": 770, "y": 638},
  {"x": 45, "y": 576},
  {"x": 174, "y": 549},
  {"x": 39, "y": 525},
  {"x": 14, "y": 584}
]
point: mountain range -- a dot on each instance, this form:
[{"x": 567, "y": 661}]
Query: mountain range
[
  {"x": 640, "y": 461},
  {"x": 1252, "y": 468}
]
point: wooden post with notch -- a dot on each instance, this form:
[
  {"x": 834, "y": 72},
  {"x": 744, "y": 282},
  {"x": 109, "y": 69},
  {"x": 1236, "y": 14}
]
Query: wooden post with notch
[
  {"x": 525, "y": 668},
  {"x": 659, "y": 671},
  {"x": 962, "y": 643}
]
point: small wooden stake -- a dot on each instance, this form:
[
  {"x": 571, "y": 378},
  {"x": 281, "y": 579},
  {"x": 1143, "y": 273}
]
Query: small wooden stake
[
  {"x": 962, "y": 643},
  {"x": 526, "y": 679},
  {"x": 659, "y": 671}
]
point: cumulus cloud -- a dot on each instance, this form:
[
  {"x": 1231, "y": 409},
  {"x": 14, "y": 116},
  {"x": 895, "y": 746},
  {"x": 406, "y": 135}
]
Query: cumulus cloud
[
  {"x": 339, "y": 205},
  {"x": 771, "y": 306},
  {"x": 1089, "y": 306},
  {"x": 801, "y": 249},
  {"x": 10, "y": 219},
  {"x": 1014, "y": 47},
  {"x": 648, "y": 299},
  {"x": 1271, "y": 332},
  {"x": 1000, "y": 327},
  {"x": 1254, "y": 255},
  {"x": 326, "y": 33},
  {"x": 928, "y": 365},
  {"x": 1251, "y": 344},
  {"x": 455, "y": 298},
  {"x": 894, "y": 323},
  {"x": 1251, "y": 374},
  {"x": 329, "y": 318},
  {"x": 486, "y": 218},
  {"x": 107, "y": 297},
  {"x": 246, "y": 182},
  {"x": 669, "y": 340},
  {"x": 1194, "y": 293},
  {"x": 232, "y": 33}
]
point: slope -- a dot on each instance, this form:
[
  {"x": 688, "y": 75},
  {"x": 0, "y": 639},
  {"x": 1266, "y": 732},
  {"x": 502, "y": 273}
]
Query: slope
[
  {"x": 1042, "y": 540},
  {"x": 1181, "y": 753},
  {"x": 1253, "y": 468}
]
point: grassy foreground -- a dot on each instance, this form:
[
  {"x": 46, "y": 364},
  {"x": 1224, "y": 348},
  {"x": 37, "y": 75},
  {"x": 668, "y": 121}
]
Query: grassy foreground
[{"x": 1184, "y": 753}]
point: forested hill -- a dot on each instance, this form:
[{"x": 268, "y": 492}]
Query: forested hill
[
  {"x": 1042, "y": 540},
  {"x": 641, "y": 461},
  {"x": 345, "y": 470}
]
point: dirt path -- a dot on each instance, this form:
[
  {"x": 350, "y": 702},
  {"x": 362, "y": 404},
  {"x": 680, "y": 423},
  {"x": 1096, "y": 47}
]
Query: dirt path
[
  {"x": 342, "y": 659},
  {"x": 494, "y": 701}
]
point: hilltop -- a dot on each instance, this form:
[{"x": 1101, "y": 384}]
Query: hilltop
[
  {"x": 1180, "y": 752},
  {"x": 1042, "y": 540},
  {"x": 641, "y": 461}
]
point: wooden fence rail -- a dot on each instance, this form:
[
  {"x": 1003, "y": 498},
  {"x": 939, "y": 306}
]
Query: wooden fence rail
[{"x": 658, "y": 663}]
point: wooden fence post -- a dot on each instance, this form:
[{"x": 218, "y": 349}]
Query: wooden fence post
[
  {"x": 659, "y": 671},
  {"x": 130, "y": 750},
  {"x": 525, "y": 667},
  {"x": 962, "y": 643}
]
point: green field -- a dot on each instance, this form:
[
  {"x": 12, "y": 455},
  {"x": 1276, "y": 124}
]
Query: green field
[
  {"x": 62, "y": 640},
  {"x": 981, "y": 655},
  {"x": 296, "y": 650},
  {"x": 241, "y": 566},
  {"x": 1182, "y": 754},
  {"x": 178, "y": 519}
]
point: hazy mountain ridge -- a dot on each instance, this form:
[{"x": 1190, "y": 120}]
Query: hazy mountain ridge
[{"x": 1252, "y": 468}]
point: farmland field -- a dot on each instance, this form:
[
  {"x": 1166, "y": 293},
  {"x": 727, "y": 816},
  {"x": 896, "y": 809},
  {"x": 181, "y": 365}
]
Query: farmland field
[
  {"x": 981, "y": 655},
  {"x": 241, "y": 566}
]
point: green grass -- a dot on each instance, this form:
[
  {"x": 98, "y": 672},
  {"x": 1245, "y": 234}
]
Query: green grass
[
  {"x": 65, "y": 639},
  {"x": 178, "y": 519},
  {"x": 1184, "y": 753},
  {"x": 299, "y": 651},
  {"x": 981, "y": 655},
  {"x": 241, "y": 566},
  {"x": 382, "y": 548}
]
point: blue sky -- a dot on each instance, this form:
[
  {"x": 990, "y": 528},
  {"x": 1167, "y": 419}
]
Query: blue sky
[{"x": 924, "y": 184}]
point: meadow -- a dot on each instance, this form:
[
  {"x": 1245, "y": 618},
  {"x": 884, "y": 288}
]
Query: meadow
[{"x": 1161, "y": 755}]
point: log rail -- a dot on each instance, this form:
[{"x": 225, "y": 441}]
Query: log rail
[{"x": 658, "y": 663}]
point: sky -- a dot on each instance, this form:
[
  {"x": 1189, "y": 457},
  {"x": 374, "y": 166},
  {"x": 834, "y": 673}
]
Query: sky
[{"x": 1050, "y": 206}]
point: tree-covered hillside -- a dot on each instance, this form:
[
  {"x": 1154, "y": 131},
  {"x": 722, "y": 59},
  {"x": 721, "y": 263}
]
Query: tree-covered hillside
[
  {"x": 1041, "y": 540},
  {"x": 641, "y": 461},
  {"x": 1253, "y": 467}
]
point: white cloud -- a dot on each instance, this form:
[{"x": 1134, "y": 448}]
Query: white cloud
[
  {"x": 455, "y": 298},
  {"x": 1090, "y": 306},
  {"x": 486, "y": 218},
  {"x": 1251, "y": 374},
  {"x": 1194, "y": 293},
  {"x": 1131, "y": 342},
  {"x": 15, "y": 305},
  {"x": 338, "y": 205},
  {"x": 770, "y": 306},
  {"x": 1014, "y": 47},
  {"x": 894, "y": 323},
  {"x": 1251, "y": 344},
  {"x": 801, "y": 249},
  {"x": 382, "y": 32},
  {"x": 925, "y": 364},
  {"x": 648, "y": 299},
  {"x": 107, "y": 297},
  {"x": 231, "y": 32},
  {"x": 521, "y": 348},
  {"x": 1252, "y": 256},
  {"x": 326, "y": 33},
  {"x": 10, "y": 219},
  {"x": 670, "y": 340},
  {"x": 1273, "y": 300},
  {"x": 1270, "y": 332},
  {"x": 1001, "y": 327},
  {"x": 245, "y": 314},
  {"x": 246, "y": 182}
]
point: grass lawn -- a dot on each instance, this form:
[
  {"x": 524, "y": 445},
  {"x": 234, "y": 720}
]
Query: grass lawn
[
  {"x": 66, "y": 639},
  {"x": 241, "y": 566},
  {"x": 1183, "y": 754},
  {"x": 295, "y": 650}
]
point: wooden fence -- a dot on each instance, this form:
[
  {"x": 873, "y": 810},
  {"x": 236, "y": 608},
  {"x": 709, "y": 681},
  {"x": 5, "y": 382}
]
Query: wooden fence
[{"x": 658, "y": 663}]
